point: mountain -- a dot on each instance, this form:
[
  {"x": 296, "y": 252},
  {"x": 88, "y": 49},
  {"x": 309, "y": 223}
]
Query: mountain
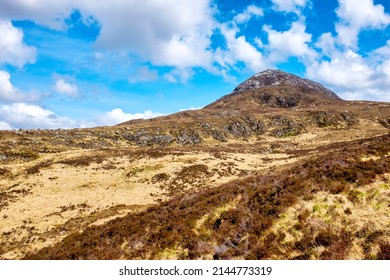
[
  {"x": 270, "y": 103},
  {"x": 276, "y": 88},
  {"x": 280, "y": 168}
]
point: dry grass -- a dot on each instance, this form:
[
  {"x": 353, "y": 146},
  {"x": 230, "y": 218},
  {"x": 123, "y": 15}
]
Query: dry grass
[
  {"x": 38, "y": 191},
  {"x": 55, "y": 179},
  {"x": 308, "y": 194}
]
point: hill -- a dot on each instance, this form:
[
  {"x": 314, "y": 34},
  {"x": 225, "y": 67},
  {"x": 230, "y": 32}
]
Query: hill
[{"x": 281, "y": 168}]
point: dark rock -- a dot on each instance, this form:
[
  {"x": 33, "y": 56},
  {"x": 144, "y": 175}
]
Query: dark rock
[
  {"x": 129, "y": 137},
  {"x": 150, "y": 140},
  {"x": 276, "y": 77},
  {"x": 280, "y": 121},
  {"x": 256, "y": 126},
  {"x": 238, "y": 130},
  {"x": 288, "y": 127},
  {"x": 326, "y": 119},
  {"x": 188, "y": 137},
  {"x": 385, "y": 122},
  {"x": 205, "y": 125},
  {"x": 218, "y": 135}
]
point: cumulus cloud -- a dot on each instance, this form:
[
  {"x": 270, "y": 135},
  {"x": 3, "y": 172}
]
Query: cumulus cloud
[
  {"x": 341, "y": 66},
  {"x": 289, "y": 5},
  {"x": 23, "y": 115},
  {"x": 50, "y": 13},
  {"x": 117, "y": 116},
  {"x": 143, "y": 74},
  {"x": 12, "y": 48},
  {"x": 366, "y": 78},
  {"x": 334, "y": 71},
  {"x": 68, "y": 89},
  {"x": 172, "y": 33},
  {"x": 5, "y": 126},
  {"x": 7, "y": 91},
  {"x": 32, "y": 116},
  {"x": 175, "y": 33},
  {"x": 327, "y": 44},
  {"x": 293, "y": 42},
  {"x": 248, "y": 13},
  {"x": 238, "y": 49},
  {"x": 356, "y": 15}
]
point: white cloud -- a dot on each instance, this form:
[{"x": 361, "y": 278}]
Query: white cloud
[
  {"x": 347, "y": 72},
  {"x": 244, "y": 51},
  {"x": 191, "y": 108},
  {"x": 334, "y": 71},
  {"x": 238, "y": 48},
  {"x": 23, "y": 115},
  {"x": 10, "y": 93},
  {"x": 12, "y": 48},
  {"x": 293, "y": 42},
  {"x": 289, "y": 5},
  {"x": 117, "y": 116},
  {"x": 175, "y": 33},
  {"x": 383, "y": 52},
  {"x": 31, "y": 116},
  {"x": 248, "y": 13},
  {"x": 50, "y": 13},
  {"x": 143, "y": 74},
  {"x": 179, "y": 75},
  {"x": 172, "y": 33},
  {"x": 167, "y": 33},
  {"x": 7, "y": 91},
  {"x": 362, "y": 14},
  {"x": 353, "y": 76},
  {"x": 326, "y": 42},
  {"x": 5, "y": 126},
  {"x": 66, "y": 88},
  {"x": 356, "y": 15}
]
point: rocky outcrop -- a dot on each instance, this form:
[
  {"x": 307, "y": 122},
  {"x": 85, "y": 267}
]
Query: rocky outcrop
[
  {"x": 188, "y": 137},
  {"x": 274, "y": 88},
  {"x": 276, "y": 78}
]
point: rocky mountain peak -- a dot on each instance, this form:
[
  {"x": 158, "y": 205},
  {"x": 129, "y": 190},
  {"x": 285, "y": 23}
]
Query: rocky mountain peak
[
  {"x": 274, "y": 88},
  {"x": 269, "y": 78}
]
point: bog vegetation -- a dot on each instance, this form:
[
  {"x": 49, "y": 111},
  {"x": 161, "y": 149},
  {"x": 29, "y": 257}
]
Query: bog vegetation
[{"x": 243, "y": 219}]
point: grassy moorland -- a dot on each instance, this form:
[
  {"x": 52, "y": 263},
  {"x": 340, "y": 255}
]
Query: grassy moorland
[
  {"x": 281, "y": 168},
  {"x": 334, "y": 205}
]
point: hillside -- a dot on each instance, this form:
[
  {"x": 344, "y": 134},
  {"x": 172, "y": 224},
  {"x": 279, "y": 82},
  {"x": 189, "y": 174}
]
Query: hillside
[{"x": 281, "y": 168}]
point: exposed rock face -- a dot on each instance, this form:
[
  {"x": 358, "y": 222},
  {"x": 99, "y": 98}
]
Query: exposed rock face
[
  {"x": 188, "y": 138},
  {"x": 279, "y": 78},
  {"x": 275, "y": 88}
]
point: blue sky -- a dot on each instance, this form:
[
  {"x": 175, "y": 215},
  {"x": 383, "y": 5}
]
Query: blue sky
[{"x": 83, "y": 63}]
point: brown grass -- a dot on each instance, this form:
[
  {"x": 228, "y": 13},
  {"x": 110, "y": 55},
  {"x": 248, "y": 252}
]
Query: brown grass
[{"x": 243, "y": 231}]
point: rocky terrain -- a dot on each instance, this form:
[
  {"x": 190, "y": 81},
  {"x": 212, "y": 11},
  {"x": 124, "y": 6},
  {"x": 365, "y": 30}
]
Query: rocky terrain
[{"x": 281, "y": 168}]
